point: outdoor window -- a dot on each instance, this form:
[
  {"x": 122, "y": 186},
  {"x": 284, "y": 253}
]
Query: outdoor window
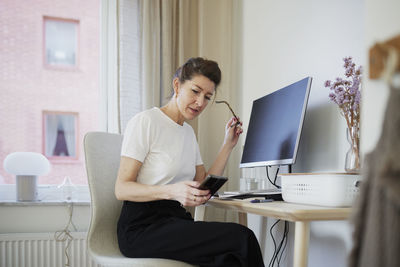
[
  {"x": 49, "y": 100},
  {"x": 61, "y": 42}
]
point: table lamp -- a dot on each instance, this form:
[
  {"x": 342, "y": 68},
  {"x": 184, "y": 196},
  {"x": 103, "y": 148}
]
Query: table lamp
[{"x": 26, "y": 166}]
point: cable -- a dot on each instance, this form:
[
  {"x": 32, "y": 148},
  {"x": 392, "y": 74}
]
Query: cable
[
  {"x": 65, "y": 235},
  {"x": 266, "y": 168},
  {"x": 278, "y": 250},
  {"x": 276, "y": 176},
  {"x": 271, "y": 263},
  {"x": 285, "y": 237},
  {"x": 282, "y": 243}
]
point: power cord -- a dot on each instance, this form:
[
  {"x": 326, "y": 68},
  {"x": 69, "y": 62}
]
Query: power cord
[
  {"x": 280, "y": 248},
  {"x": 271, "y": 263},
  {"x": 284, "y": 240},
  {"x": 65, "y": 234},
  {"x": 275, "y": 178}
]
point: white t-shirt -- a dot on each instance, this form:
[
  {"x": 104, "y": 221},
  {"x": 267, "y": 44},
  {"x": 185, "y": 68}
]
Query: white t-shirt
[{"x": 169, "y": 152}]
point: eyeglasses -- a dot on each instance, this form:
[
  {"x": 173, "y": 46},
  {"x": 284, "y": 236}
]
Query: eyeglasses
[{"x": 229, "y": 106}]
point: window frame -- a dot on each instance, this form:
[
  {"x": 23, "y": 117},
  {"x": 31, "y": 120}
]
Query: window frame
[
  {"x": 61, "y": 159},
  {"x": 77, "y": 52}
]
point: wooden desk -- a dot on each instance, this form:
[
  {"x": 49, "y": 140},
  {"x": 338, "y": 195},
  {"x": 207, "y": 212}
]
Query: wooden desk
[{"x": 300, "y": 214}]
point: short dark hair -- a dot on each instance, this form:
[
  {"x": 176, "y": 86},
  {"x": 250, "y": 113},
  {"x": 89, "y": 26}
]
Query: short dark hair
[{"x": 199, "y": 66}]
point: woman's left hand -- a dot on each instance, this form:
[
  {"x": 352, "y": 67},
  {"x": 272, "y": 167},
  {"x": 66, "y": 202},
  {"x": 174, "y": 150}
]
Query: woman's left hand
[{"x": 233, "y": 130}]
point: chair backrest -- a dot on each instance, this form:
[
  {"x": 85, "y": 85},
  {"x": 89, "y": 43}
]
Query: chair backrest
[{"x": 102, "y": 154}]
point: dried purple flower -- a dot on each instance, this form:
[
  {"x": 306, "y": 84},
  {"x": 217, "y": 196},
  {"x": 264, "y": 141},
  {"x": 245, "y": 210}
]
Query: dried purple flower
[
  {"x": 359, "y": 71},
  {"x": 347, "y": 62},
  {"x": 357, "y": 98},
  {"x": 346, "y": 94},
  {"x": 349, "y": 72},
  {"x": 327, "y": 83}
]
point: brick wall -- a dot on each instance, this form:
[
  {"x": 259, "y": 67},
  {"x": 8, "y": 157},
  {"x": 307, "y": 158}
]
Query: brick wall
[{"x": 27, "y": 87}]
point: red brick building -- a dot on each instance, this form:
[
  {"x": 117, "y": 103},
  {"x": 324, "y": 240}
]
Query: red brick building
[{"x": 49, "y": 82}]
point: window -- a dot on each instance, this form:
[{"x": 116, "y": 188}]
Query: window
[
  {"x": 60, "y": 135},
  {"x": 61, "y": 42},
  {"x": 45, "y": 107}
]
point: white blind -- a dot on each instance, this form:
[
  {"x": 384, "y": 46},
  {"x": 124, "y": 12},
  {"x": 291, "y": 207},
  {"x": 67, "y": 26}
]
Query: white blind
[{"x": 129, "y": 61}]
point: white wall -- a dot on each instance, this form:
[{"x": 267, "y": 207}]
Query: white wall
[
  {"x": 48, "y": 215},
  {"x": 285, "y": 41},
  {"x": 42, "y": 218},
  {"x": 382, "y": 23}
]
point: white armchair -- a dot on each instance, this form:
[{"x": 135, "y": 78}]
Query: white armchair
[{"x": 102, "y": 153}]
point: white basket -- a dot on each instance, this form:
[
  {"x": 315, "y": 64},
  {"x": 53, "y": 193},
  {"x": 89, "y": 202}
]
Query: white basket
[{"x": 325, "y": 189}]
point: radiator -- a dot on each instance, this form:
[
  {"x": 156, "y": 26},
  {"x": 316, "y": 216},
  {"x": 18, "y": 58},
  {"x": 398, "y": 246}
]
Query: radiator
[{"x": 42, "y": 250}]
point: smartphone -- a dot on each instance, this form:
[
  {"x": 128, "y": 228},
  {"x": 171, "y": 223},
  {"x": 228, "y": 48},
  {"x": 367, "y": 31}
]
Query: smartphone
[{"x": 213, "y": 183}]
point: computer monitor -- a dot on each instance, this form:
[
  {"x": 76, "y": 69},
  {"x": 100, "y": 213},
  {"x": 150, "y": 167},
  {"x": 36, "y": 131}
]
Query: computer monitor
[{"x": 275, "y": 126}]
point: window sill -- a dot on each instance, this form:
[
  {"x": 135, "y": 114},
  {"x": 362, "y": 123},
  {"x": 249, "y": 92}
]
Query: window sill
[
  {"x": 43, "y": 203},
  {"x": 48, "y": 195}
]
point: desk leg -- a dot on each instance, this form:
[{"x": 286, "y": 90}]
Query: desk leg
[
  {"x": 243, "y": 218},
  {"x": 301, "y": 240}
]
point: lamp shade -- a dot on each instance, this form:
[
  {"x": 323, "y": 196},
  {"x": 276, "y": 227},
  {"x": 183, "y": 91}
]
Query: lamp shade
[{"x": 26, "y": 163}]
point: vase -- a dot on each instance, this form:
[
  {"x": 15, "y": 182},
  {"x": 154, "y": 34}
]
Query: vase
[{"x": 352, "y": 162}]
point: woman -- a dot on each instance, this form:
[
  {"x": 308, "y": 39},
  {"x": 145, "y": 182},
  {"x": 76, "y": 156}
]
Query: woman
[{"x": 160, "y": 171}]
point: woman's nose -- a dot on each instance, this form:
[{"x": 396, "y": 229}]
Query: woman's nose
[{"x": 200, "y": 101}]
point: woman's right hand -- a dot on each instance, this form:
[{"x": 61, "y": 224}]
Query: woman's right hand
[
  {"x": 233, "y": 130},
  {"x": 188, "y": 194}
]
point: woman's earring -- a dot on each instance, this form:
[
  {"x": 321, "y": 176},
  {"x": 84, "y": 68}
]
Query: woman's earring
[{"x": 176, "y": 93}]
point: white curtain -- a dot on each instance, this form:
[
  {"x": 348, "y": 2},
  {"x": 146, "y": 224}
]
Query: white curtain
[
  {"x": 130, "y": 57},
  {"x": 109, "y": 74},
  {"x": 51, "y": 133},
  {"x": 150, "y": 44},
  {"x": 144, "y": 41},
  {"x": 68, "y": 125},
  {"x": 155, "y": 38}
]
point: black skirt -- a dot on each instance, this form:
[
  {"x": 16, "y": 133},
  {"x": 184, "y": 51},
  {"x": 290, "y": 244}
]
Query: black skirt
[{"x": 164, "y": 229}]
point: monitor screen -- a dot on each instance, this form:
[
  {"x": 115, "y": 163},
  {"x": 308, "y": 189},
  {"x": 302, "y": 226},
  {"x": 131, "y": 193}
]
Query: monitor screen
[{"x": 275, "y": 126}]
